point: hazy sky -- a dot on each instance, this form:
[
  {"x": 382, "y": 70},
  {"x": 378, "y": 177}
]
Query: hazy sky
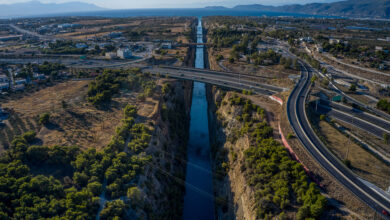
[{"x": 122, "y": 4}]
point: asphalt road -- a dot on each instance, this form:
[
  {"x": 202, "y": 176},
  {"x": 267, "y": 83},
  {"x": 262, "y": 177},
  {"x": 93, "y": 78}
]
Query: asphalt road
[
  {"x": 367, "y": 122},
  {"x": 297, "y": 116},
  {"x": 252, "y": 82},
  {"x": 219, "y": 80}
]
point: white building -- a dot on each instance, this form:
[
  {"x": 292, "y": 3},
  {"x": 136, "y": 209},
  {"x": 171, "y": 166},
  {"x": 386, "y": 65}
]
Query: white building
[
  {"x": 64, "y": 26},
  {"x": 166, "y": 45},
  {"x": 39, "y": 76},
  {"x": 306, "y": 39},
  {"x": 319, "y": 48},
  {"x": 334, "y": 41},
  {"x": 81, "y": 45},
  {"x": 378, "y": 48},
  {"x": 20, "y": 82},
  {"x": 124, "y": 53},
  {"x": 110, "y": 55}
]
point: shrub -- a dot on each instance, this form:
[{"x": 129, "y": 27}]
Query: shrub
[
  {"x": 29, "y": 136},
  {"x": 130, "y": 111},
  {"x": 386, "y": 138},
  {"x": 44, "y": 119},
  {"x": 347, "y": 163}
]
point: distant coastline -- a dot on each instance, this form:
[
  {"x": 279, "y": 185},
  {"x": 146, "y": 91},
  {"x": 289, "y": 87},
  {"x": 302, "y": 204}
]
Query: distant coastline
[{"x": 209, "y": 11}]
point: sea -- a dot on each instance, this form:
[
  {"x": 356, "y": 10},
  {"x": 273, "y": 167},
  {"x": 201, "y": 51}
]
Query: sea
[{"x": 200, "y": 12}]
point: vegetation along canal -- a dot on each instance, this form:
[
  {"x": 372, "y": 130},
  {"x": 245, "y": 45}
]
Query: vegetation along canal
[{"x": 199, "y": 199}]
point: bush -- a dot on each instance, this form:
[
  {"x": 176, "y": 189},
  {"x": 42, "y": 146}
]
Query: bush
[
  {"x": 386, "y": 138},
  {"x": 347, "y": 163},
  {"x": 383, "y": 105},
  {"x": 322, "y": 117},
  {"x": 352, "y": 88},
  {"x": 219, "y": 57},
  {"x": 29, "y": 136},
  {"x": 130, "y": 111},
  {"x": 44, "y": 119}
]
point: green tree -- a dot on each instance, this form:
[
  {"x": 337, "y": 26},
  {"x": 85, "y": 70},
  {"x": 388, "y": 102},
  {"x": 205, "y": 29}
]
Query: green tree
[
  {"x": 29, "y": 136},
  {"x": 352, "y": 88},
  {"x": 130, "y": 111},
  {"x": 95, "y": 187},
  {"x": 113, "y": 209},
  {"x": 313, "y": 79}
]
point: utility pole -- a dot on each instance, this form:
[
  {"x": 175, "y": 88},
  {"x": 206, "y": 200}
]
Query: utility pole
[{"x": 349, "y": 143}]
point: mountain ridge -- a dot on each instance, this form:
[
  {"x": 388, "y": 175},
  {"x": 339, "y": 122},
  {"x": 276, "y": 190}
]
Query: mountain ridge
[
  {"x": 347, "y": 8},
  {"x": 35, "y": 7}
]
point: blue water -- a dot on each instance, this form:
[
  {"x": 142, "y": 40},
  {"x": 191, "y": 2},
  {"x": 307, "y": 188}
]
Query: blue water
[
  {"x": 199, "y": 198},
  {"x": 197, "y": 12}
]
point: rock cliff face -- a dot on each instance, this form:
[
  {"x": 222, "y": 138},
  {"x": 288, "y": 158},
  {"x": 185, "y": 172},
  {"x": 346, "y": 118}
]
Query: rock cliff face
[
  {"x": 163, "y": 180},
  {"x": 234, "y": 198}
]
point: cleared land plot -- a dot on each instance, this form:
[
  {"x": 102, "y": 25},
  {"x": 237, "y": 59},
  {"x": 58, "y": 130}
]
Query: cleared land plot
[
  {"x": 73, "y": 120},
  {"x": 362, "y": 162}
]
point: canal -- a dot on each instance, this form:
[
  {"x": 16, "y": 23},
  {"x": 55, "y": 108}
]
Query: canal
[{"x": 199, "y": 199}]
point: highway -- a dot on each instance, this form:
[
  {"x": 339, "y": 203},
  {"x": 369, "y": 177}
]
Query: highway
[
  {"x": 298, "y": 119},
  {"x": 251, "y": 81},
  {"x": 365, "y": 121},
  {"x": 23, "y": 31},
  {"x": 221, "y": 79}
]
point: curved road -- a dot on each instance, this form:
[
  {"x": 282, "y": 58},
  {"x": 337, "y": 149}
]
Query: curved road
[{"x": 297, "y": 116}]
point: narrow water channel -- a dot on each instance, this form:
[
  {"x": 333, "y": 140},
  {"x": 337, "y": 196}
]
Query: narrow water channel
[{"x": 199, "y": 199}]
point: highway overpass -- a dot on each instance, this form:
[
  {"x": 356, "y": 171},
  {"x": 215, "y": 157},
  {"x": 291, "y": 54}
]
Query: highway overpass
[{"x": 296, "y": 112}]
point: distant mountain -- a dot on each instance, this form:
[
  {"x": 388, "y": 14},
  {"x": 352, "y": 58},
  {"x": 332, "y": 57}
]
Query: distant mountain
[
  {"x": 349, "y": 8},
  {"x": 215, "y": 7},
  {"x": 32, "y": 8}
]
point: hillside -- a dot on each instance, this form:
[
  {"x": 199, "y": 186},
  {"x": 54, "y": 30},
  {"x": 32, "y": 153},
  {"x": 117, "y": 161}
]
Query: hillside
[
  {"x": 37, "y": 8},
  {"x": 349, "y": 8}
]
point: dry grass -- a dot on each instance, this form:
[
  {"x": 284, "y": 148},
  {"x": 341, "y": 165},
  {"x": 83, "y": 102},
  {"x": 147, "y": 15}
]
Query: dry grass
[
  {"x": 79, "y": 123},
  {"x": 49, "y": 99},
  {"x": 94, "y": 22},
  {"x": 363, "y": 163}
]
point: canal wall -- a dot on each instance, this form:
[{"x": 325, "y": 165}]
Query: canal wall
[
  {"x": 234, "y": 198},
  {"x": 162, "y": 179}
]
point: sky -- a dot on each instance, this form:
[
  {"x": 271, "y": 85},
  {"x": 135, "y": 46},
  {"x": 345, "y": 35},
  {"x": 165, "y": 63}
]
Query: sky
[{"x": 127, "y": 4}]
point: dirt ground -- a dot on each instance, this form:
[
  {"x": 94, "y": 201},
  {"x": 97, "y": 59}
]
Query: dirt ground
[
  {"x": 154, "y": 28},
  {"x": 363, "y": 163},
  {"x": 275, "y": 75}
]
